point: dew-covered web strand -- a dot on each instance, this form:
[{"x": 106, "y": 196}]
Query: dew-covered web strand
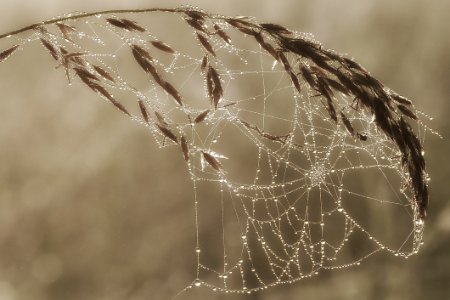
[{"x": 293, "y": 214}]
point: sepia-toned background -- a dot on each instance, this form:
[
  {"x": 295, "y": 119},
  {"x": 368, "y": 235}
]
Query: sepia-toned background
[{"x": 87, "y": 210}]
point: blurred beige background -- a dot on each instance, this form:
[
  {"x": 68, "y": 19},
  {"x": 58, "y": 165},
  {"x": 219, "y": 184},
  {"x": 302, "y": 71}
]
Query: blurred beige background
[{"x": 86, "y": 211}]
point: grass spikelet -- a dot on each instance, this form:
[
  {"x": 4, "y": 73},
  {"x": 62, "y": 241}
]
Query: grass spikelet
[
  {"x": 184, "y": 148},
  {"x": 162, "y": 46},
  {"x": 101, "y": 90},
  {"x": 7, "y": 53},
  {"x": 212, "y": 161},
  {"x": 161, "y": 119},
  {"x": 167, "y": 133},
  {"x": 125, "y": 24},
  {"x": 52, "y": 50},
  {"x": 215, "y": 89},
  {"x": 201, "y": 117},
  {"x": 103, "y": 73},
  {"x": 406, "y": 111},
  {"x": 222, "y": 34},
  {"x": 66, "y": 30},
  {"x": 204, "y": 41},
  {"x": 143, "y": 110},
  {"x": 275, "y": 28},
  {"x": 171, "y": 90}
]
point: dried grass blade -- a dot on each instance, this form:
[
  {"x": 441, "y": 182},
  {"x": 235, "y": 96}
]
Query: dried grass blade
[
  {"x": 7, "y": 53},
  {"x": 162, "y": 46},
  {"x": 185, "y": 148},
  {"x": 50, "y": 48},
  {"x": 212, "y": 161},
  {"x": 143, "y": 110},
  {"x": 204, "y": 41},
  {"x": 201, "y": 117},
  {"x": 168, "y": 133}
]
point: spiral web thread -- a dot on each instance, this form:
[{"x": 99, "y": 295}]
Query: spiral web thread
[{"x": 277, "y": 169}]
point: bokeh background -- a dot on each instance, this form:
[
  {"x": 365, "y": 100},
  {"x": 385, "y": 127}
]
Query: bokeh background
[{"x": 86, "y": 208}]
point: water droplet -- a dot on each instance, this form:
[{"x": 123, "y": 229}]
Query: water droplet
[{"x": 197, "y": 283}]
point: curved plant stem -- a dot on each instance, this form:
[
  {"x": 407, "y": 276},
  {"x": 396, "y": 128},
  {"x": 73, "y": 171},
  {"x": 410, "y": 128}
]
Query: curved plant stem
[{"x": 85, "y": 15}]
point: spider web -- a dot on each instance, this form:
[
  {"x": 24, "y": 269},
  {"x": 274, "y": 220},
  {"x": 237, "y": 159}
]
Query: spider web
[{"x": 281, "y": 190}]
